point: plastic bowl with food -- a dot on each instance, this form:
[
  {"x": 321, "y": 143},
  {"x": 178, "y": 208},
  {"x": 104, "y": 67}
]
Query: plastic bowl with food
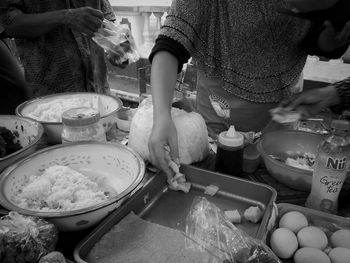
[
  {"x": 25, "y": 135},
  {"x": 48, "y": 110},
  {"x": 110, "y": 171},
  {"x": 281, "y": 149},
  {"x": 124, "y": 118}
]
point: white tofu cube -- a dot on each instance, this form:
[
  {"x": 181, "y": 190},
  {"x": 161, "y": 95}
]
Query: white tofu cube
[
  {"x": 253, "y": 214},
  {"x": 233, "y": 216}
]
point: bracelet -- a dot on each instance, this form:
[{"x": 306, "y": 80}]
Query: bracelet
[{"x": 343, "y": 90}]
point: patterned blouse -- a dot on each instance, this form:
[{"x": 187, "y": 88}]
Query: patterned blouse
[
  {"x": 258, "y": 52},
  {"x": 62, "y": 60}
]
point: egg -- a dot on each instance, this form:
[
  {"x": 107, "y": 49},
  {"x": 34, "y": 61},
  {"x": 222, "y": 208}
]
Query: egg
[
  {"x": 312, "y": 236},
  {"x": 310, "y": 255},
  {"x": 294, "y": 221},
  {"x": 341, "y": 238},
  {"x": 283, "y": 242},
  {"x": 340, "y": 255}
]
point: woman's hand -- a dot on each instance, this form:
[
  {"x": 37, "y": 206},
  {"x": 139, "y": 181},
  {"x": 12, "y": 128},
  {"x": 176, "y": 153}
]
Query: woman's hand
[
  {"x": 330, "y": 39},
  {"x": 312, "y": 102},
  {"x": 86, "y": 20},
  {"x": 297, "y": 6},
  {"x": 163, "y": 135}
]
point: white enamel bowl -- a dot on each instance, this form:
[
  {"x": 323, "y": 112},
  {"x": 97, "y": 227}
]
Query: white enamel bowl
[
  {"x": 121, "y": 167},
  {"x": 107, "y": 105},
  {"x": 28, "y": 133}
]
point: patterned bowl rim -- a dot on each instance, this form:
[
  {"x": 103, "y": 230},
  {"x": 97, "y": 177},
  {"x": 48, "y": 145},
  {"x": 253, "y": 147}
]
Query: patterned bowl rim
[
  {"x": 279, "y": 163},
  {"x": 36, "y": 139},
  {"x": 11, "y": 206},
  {"x": 20, "y": 107}
]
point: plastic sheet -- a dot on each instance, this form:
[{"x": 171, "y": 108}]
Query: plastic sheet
[
  {"x": 118, "y": 43},
  {"x": 25, "y": 239},
  {"x": 208, "y": 229}
]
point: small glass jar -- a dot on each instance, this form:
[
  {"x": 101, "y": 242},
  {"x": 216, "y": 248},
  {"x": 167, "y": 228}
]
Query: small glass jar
[{"x": 82, "y": 124}]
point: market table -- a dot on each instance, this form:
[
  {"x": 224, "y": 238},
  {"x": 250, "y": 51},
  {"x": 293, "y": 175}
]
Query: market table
[{"x": 68, "y": 241}]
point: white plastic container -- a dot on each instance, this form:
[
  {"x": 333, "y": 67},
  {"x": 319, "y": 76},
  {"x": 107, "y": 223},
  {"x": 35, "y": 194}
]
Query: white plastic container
[{"x": 82, "y": 124}]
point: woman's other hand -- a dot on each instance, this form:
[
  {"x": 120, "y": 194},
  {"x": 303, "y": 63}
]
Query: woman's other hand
[
  {"x": 331, "y": 39},
  {"x": 86, "y": 20},
  {"x": 303, "y": 6},
  {"x": 312, "y": 102},
  {"x": 163, "y": 138}
]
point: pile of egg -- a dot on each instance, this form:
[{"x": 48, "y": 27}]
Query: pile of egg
[{"x": 295, "y": 238}]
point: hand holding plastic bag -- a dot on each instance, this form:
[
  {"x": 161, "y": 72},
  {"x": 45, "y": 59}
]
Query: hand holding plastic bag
[
  {"x": 118, "y": 43},
  {"x": 208, "y": 229}
]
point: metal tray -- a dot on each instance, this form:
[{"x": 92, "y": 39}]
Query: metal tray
[
  {"x": 316, "y": 218},
  {"x": 158, "y": 204}
]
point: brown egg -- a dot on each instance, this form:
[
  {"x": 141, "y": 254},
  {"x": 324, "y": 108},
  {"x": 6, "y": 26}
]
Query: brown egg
[
  {"x": 340, "y": 255},
  {"x": 283, "y": 242},
  {"x": 312, "y": 236},
  {"x": 294, "y": 221},
  {"x": 341, "y": 238},
  {"x": 310, "y": 255}
]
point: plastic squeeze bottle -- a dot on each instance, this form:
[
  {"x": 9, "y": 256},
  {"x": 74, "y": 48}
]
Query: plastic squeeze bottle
[
  {"x": 330, "y": 169},
  {"x": 229, "y": 155}
]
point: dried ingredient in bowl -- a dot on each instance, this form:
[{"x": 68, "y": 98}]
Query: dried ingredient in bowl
[
  {"x": 60, "y": 188},
  {"x": 8, "y": 142},
  {"x": 304, "y": 161},
  {"x": 52, "y": 111},
  {"x": 25, "y": 238}
]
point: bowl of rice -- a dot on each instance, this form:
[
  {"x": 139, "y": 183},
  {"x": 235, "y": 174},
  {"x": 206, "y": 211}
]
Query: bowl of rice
[
  {"x": 18, "y": 138},
  {"x": 289, "y": 156},
  {"x": 73, "y": 185},
  {"x": 48, "y": 110}
]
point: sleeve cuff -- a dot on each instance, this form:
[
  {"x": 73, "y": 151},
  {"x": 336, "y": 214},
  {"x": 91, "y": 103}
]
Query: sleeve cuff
[{"x": 164, "y": 43}]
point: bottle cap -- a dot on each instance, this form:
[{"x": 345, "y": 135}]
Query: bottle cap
[
  {"x": 231, "y": 137},
  {"x": 80, "y": 117},
  {"x": 342, "y": 125}
]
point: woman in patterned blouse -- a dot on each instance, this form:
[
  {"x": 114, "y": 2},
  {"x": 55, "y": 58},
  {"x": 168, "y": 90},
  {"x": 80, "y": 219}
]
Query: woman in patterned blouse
[{"x": 249, "y": 58}]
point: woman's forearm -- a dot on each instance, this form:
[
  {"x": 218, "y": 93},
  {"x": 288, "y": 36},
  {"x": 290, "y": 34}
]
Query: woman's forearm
[
  {"x": 34, "y": 25},
  {"x": 163, "y": 81}
]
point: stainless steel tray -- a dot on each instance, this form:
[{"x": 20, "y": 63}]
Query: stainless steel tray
[{"x": 157, "y": 203}]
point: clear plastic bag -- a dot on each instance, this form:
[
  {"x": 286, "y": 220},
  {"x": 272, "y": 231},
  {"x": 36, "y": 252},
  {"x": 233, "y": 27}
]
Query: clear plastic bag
[
  {"x": 209, "y": 230},
  {"x": 25, "y": 239},
  {"x": 118, "y": 44}
]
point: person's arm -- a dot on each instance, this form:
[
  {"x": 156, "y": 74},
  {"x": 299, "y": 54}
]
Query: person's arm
[
  {"x": 85, "y": 19},
  {"x": 163, "y": 80},
  {"x": 336, "y": 96}
]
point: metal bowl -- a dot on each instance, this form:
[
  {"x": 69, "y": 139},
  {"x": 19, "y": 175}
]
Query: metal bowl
[
  {"x": 275, "y": 146},
  {"x": 107, "y": 105},
  {"x": 28, "y": 133},
  {"x": 121, "y": 168}
]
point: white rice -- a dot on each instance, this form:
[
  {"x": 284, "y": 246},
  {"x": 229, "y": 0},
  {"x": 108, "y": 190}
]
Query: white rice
[{"x": 60, "y": 188}]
